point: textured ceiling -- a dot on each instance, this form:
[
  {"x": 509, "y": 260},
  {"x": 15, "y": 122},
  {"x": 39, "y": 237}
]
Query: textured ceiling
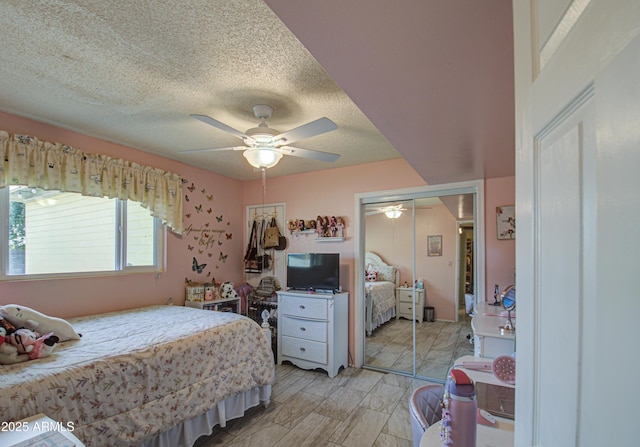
[
  {"x": 132, "y": 72},
  {"x": 434, "y": 77}
]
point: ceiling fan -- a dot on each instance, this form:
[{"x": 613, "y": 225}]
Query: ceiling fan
[
  {"x": 391, "y": 211},
  {"x": 264, "y": 146}
]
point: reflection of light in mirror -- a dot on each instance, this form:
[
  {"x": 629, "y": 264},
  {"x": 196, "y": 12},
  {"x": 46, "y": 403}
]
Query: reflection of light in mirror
[{"x": 393, "y": 214}]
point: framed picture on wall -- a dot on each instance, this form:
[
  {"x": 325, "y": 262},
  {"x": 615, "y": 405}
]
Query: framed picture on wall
[
  {"x": 434, "y": 245},
  {"x": 506, "y": 222}
]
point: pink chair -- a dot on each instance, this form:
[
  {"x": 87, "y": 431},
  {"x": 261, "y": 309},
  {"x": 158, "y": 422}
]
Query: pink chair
[{"x": 425, "y": 409}]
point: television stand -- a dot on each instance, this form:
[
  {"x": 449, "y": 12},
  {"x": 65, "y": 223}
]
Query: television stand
[{"x": 313, "y": 330}]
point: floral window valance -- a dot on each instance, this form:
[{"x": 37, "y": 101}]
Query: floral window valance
[{"x": 54, "y": 166}]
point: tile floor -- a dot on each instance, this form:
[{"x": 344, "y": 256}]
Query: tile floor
[
  {"x": 438, "y": 344},
  {"x": 357, "y": 408}
]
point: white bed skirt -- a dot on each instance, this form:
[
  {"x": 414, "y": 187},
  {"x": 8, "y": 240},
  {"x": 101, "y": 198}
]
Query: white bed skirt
[
  {"x": 187, "y": 433},
  {"x": 386, "y": 316}
]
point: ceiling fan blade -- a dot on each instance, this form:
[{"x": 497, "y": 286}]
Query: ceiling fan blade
[
  {"x": 309, "y": 153},
  {"x": 222, "y": 126},
  {"x": 308, "y": 130},
  {"x": 213, "y": 149}
]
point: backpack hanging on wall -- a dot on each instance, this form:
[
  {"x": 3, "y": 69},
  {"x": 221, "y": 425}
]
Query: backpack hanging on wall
[{"x": 272, "y": 235}]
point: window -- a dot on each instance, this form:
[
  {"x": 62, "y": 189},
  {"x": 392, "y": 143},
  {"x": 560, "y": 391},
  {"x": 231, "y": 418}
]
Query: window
[{"x": 60, "y": 233}]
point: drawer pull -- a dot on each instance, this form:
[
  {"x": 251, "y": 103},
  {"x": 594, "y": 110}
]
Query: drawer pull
[
  {"x": 302, "y": 307},
  {"x": 302, "y": 349},
  {"x": 303, "y": 329}
]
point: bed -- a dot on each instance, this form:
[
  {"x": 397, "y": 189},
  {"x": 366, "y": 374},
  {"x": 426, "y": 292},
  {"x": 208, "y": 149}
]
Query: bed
[
  {"x": 156, "y": 376},
  {"x": 380, "y": 295}
]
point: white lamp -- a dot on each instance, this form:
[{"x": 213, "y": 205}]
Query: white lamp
[
  {"x": 262, "y": 157},
  {"x": 393, "y": 214}
]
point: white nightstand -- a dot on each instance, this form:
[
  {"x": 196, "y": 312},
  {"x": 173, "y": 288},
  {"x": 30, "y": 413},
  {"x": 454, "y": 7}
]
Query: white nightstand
[
  {"x": 406, "y": 299},
  {"x": 224, "y": 304}
]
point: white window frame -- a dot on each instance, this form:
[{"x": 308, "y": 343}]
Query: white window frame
[{"x": 159, "y": 255}]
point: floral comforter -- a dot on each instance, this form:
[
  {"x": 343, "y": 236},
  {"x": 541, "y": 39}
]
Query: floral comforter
[
  {"x": 137, "y": 373},
  {"x": 383, "y": 298}
]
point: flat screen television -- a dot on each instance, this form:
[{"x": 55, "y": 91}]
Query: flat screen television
[{"x": 313, "y": 271}]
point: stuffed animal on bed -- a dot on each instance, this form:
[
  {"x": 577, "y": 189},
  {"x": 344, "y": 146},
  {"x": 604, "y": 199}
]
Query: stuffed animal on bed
[
  {"x": 9, "y": 353},
  {"x": 22, "y": 316},
  {"x": 31, "y": 343},
  {"x": 227, "y": 291},
  {"x": 371, "y": 274}
]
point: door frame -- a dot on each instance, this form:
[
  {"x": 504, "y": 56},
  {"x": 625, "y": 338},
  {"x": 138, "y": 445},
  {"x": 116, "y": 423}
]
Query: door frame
[
  {"x": 460, "y": 267},
  {"x": 475, "y": 187}
]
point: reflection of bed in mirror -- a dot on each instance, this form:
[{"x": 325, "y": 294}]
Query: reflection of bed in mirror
[{"x": 380, "y": 295}]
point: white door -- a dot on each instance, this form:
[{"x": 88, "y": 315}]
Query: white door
[
  {"x": 278, "y": 264},
  {"x": 577, "y": 72}
]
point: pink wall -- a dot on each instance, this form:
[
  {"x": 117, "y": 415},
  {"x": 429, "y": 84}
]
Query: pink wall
[
  {"x": 500, "y": 255},
  {"x": 83, "y": 296},
  {"x": 329, "y": 192}
]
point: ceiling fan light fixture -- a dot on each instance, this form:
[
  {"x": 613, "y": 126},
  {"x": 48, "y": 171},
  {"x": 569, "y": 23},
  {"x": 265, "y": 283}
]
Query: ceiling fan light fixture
[
  {"x": 262, "y": 157},
  {"x": 393, "y": 214}
]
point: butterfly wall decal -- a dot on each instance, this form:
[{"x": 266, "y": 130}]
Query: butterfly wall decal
[
  {"x": 197, "y": 267},
  {"x": 223, "y": 258},
  {"x": 229, "y": 235},
  {"x": 219, "y": 219},
  {"x": 199, "y": 208},
  {"x": 192, "y": 187},
  {"x": 210, "y": 197}
]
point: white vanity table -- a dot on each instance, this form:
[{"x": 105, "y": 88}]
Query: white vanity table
[
  {"x": 488, "y": 340},
  {"x": 500, "y": 435}
]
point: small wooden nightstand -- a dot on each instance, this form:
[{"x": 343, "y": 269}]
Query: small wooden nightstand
[{"x": 406, "y": 299}]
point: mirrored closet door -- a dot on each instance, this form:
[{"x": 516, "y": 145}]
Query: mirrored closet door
[
  {"x": 388, "y": 260},
  {"x": 419, "y": 256}
]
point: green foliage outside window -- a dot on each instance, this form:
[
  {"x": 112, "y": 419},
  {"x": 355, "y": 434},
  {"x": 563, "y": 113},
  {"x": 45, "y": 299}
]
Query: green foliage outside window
[{"x": 17, "y": 235}]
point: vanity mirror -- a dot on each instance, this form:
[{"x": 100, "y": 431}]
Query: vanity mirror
[{"x": 509, "y": 303}]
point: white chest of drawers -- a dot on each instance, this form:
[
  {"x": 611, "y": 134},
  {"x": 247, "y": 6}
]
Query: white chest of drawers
[
  {"x": 406, "y": 299},
  {"x": 313, "y": 330}
]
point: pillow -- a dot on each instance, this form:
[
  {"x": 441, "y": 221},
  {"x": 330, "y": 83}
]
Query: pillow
[
  {"x": 387, "y": 273},
  {"x": 22, "y": 316}
]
